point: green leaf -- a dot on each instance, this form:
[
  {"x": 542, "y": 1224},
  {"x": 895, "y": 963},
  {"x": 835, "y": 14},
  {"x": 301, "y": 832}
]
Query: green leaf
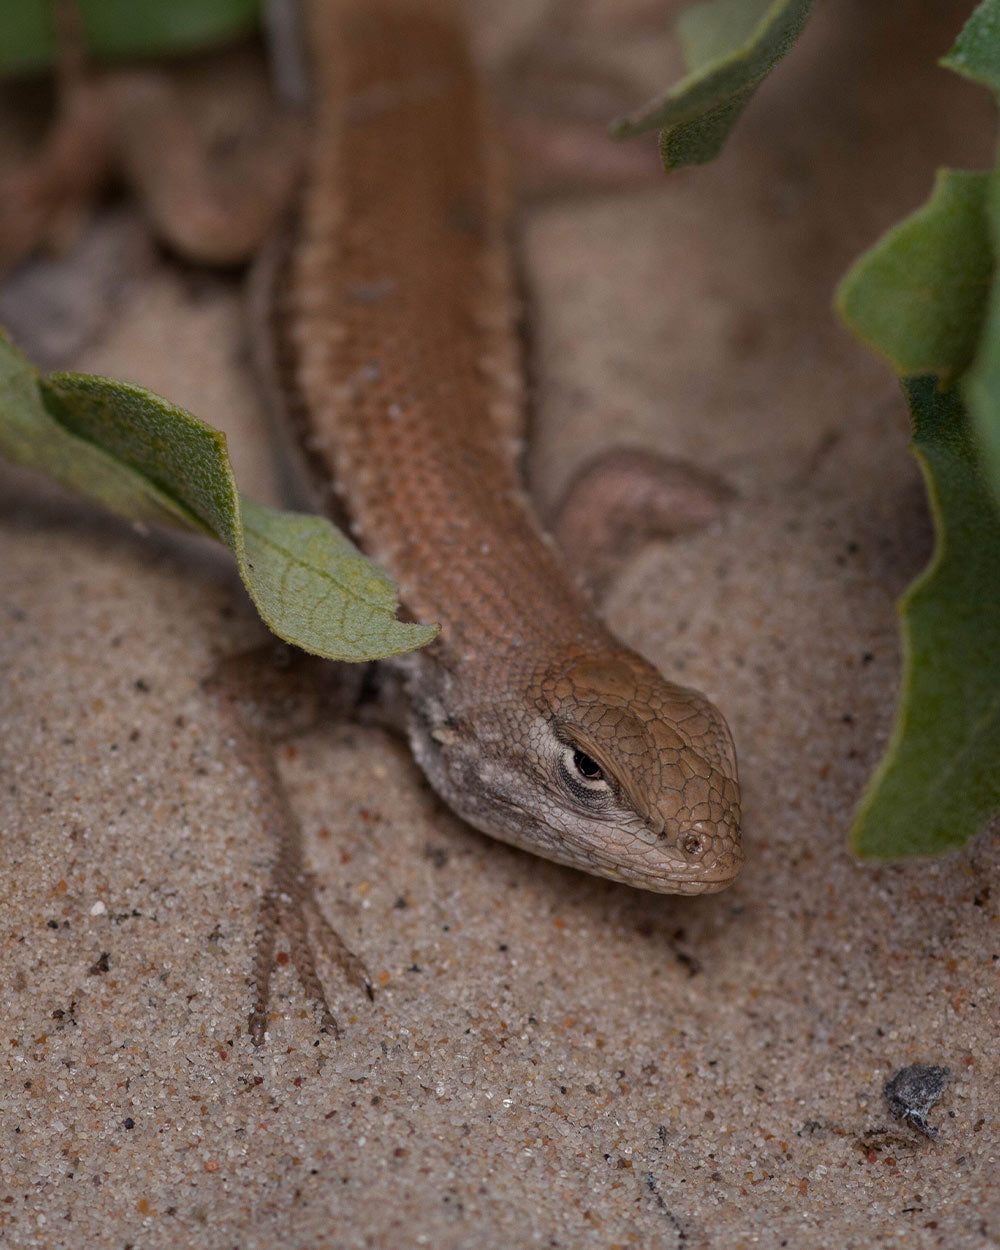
[
  {"x": 920, "y": 294},
  {"x": 30, "y": 436},
  {"x": 713, "y": 30},
  {"x": 729, "y": 47},
  {"x": 149, "y": 461},
  {"x": 26, "y": 38},
  {"x": 976, "y": 55},
  {"x": 976, "y": 52},
  {"x": 980, "y": 386},
  {"x": 940, "y": 778},
  {"x": 919, "y": 297},
  {"x": 120, "y": 28}
]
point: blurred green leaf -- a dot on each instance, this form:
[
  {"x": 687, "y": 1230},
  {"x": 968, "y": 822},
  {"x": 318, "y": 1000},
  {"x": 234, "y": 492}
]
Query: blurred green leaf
[
  {"x": 919, "y": 295},
  {"x": 715, "y": 29},
  {"x": 729, "y": 47},
  {"x": 980, "y": 386},
  {"x": 976, "y": 52},
  {"x": 939, "y": 780},
  {"x": 976, "y": 55},
  {"x": 149, "y": 461},
  {"x": 922, "y": 296},
  {"x": 26, "y": 36},
  {"x": 120, "y": 28}
]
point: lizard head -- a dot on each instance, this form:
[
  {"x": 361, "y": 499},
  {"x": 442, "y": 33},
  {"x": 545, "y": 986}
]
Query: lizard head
[
  {"x": 649, "y": 769},
  {"x": 604, "y": 765}
]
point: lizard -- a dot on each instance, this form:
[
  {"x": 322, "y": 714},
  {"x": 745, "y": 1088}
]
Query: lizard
[
  {"x": 395, "y": 325},
  {"x": 392, "y": 318}
]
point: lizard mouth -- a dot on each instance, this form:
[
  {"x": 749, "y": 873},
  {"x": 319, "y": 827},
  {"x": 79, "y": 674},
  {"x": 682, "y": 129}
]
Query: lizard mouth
[
  {"x": 701, "y": 859},
  {"x": 722, "y": 874},
  {"x": 675, "y": 876},
  {"x": 667, "y": 857}
]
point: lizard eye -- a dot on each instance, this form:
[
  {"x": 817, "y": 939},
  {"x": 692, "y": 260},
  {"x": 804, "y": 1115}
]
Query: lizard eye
[
  {"x": 588, "y": 769},
  {"x": 582, "y": 774}
]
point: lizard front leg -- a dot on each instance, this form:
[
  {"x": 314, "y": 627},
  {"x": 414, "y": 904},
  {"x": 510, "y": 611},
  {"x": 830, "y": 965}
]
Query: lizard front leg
[{"x": 624, "y": 498}]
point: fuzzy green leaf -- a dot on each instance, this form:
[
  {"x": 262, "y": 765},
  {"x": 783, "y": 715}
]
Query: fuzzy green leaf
[
  {"x": 149, "y": 461},
  {"x": 939, "y": 780},
  {"x": 729, "y": 47},
  {"x": 919, "y": 295},
  {"x": 30, "y": 436}
]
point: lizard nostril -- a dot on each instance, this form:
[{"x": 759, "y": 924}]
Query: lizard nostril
[{"x": 692, "y": 844}]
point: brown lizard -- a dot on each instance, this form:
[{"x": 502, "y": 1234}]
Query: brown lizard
[
  {"x": 396, "y": 326},
  {"x": 393, "y": 319}
]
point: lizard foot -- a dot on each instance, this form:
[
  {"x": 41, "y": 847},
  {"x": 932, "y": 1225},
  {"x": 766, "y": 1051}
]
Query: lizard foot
[
  {"x": 213, "y": 207},
  {"x": 213, "y": 204},
  {"x": 241, "y": 686},
  {"x": 291, "y": 892},
  {"x": 624, "y": 498}
]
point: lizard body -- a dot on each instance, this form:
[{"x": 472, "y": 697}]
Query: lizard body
[{"x": 397, "y": 326}]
